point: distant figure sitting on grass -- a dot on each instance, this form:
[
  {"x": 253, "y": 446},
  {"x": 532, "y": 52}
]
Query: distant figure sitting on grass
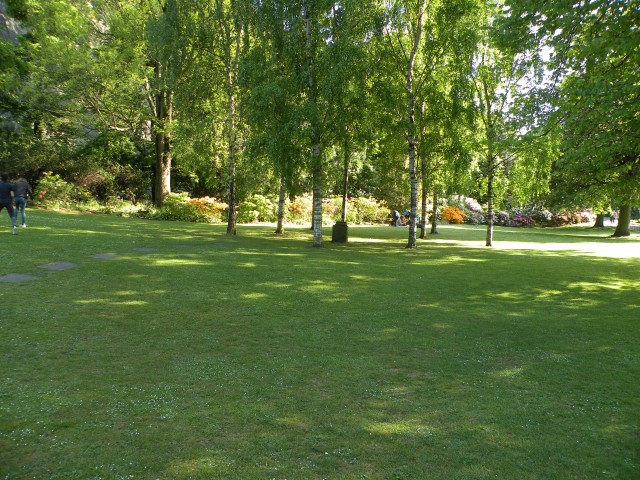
[
  {"x": 6, "y": 199},
  {"x": 396, "y": 219},
  {"x": 21, "y": 190}
]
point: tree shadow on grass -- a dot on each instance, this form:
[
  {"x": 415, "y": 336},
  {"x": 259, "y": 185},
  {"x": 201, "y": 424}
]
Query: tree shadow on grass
[{"x": 259, "y": 356}]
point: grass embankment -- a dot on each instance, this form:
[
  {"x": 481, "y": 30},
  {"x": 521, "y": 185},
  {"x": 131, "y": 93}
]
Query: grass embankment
[{"x": 259, "y": 356}]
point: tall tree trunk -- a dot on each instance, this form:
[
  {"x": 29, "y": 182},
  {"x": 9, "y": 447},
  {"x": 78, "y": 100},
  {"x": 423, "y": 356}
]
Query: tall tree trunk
[
  {"x": 163, "y": 112},
  {"x": 434, "y": 214},
  {"x": 317, "y": 194},
  {"x": 411, "y": 126},
  {"x": 231, "y": 162},
  {"x": 490, "y": 133},
  {"x": 489, "y": 238},
  {"x": 599, "y": 221},
  {"x": 623, "y": 229},
  {"x": 232, "y": 58},
  {"x": 423, "y": 178},
  {"x": 316, "y": 158},
  {"x": 345, "y": 175},
  {"x": 424, "y": 195},
  {"x": 281, "y": 199}
]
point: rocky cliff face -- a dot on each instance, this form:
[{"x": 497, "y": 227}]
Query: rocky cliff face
[{"x": 9, "y": 27}]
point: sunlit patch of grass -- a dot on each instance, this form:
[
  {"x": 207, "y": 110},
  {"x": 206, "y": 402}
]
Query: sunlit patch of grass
[{"x": 257, "y": 356}]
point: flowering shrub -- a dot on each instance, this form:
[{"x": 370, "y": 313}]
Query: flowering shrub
[
  {"x": 587, "y": 216},
  {"x": 178, "y": 206},
  {"x": 52, "y": 191},
  {"x": 453, "y": 215},
  {"x": 367, "y": 210},
  {"x": 521, "y": 220},
  {"x": 475, "y": 218},
  {"x": 300, "y": 209},
  {"x": 359, "y": 210},
  {"x": 564, "y": 218},
  {"x": 541, "y": 216},
  {"x": 213, "y": 209},
  {"x": 257, "y": 208},
  {"x": 501, "y": 218}
]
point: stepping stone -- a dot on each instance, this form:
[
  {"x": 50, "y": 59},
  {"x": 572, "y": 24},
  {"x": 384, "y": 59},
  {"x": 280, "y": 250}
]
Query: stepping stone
[
  {"x": 145, "y": 250},
  {"x": 105, "y": 255},
  {"x": 59, "y": 265},
  {"x": 16, "y": 278}
]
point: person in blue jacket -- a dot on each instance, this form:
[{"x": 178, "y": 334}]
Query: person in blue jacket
[
  {"x": 395, "y": 218},
  {"x": 6, "y": 198}
]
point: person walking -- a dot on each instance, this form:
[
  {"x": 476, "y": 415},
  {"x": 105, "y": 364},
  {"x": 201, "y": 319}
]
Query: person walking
[
  {"x": 21, "y": 190},
  {"x": 6, "y": 199}
]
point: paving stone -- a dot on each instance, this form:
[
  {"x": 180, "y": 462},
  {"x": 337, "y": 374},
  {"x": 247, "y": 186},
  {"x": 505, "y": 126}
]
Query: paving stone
[
  {"x": 145, "y": 250},
  {"x": 59, "y": 265},
  {"x": 16, "y": 278},
  {"x": 106, "y": 255}
]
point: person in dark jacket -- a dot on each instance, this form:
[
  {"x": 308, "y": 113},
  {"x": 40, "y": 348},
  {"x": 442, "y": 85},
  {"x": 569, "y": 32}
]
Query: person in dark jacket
[
  {"x": 6, "y": 199},
  {"x": 21, "y": 190}
]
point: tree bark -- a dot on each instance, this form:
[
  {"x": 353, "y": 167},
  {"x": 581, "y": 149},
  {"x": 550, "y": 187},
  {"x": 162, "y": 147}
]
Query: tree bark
[
  {"x": 281, "y": 200},
  {"x": 599, "y": 221},
  {"x": 489, "y": 237},
  {"x": 623, "y": 229},
  {"x": 424, "y": 194},
  {"x": 163, "y": 113},
  {"x": 316, "y": 158},
  {"x": 231, "y": 160},
  {"x": 411, "y": 126},
  {"x": 434, "y": 215},
  {"x": 345, "y": 175}
]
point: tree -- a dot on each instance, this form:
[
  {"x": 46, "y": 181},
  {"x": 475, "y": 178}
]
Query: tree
[
  {"x": 591, "y": 95},
  {"x": 422, "y": 37},
  {"x": 501, "y": 74}
]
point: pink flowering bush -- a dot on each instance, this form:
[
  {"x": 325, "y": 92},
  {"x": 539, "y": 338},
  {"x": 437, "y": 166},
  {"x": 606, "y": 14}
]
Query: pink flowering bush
[
  {"x": 52, "y": 191},
  {"x": 521, "y": 220}
]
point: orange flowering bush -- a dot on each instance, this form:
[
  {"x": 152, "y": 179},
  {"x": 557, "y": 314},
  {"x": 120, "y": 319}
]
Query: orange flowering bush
[
  {"x": 179, "y": 206},
  {"x": 210, "y": 207},
  {"x": 453, "y": 215},
  {"x": 300, "y": 209}
]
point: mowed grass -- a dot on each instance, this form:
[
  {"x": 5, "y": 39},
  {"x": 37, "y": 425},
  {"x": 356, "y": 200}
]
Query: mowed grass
[{"x": 205, "y": 356}]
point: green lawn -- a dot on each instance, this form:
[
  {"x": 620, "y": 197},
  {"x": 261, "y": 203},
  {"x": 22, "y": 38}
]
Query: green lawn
[{"x": 260, "y": 357}]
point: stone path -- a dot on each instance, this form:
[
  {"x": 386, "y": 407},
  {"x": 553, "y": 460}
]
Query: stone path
[{"x": 19, "y": 277}]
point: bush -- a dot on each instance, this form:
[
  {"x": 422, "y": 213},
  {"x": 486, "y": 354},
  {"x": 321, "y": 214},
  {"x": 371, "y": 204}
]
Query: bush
[
  {"x": 360, "y": 210},
  {"x": 257, "y": 208},
  {"x": 564, "y": 218},
  {"x": 475, "y": 218},
  {"x": 541, "y": 216},
  {"x": 178, "y": 206},
  {"x": 299, "y": 210},
  {"x": 521, "y": 220},
  {"x": 453, "y": 215},
  {"x": 364, "y": 210},
  {"x": 54, "y": 192},
  {"x": 501, "y": 218}
]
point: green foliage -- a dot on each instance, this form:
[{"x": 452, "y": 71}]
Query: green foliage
[
  {"x": 257, "y": 208},
  {"x": 299, "y": 209},
  {"x": 52, "y": 191},
  {"x": 179, "y": 206},
  {"x": 366, "y": 210},
  {"x": 360, "y": 210}
]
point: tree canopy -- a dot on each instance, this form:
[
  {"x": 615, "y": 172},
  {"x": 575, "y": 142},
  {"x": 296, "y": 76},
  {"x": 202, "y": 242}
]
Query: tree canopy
[{"x": 402, "y": 100}]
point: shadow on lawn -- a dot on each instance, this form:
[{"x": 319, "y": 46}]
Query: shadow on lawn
[{"x": 259, "y": 357}]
